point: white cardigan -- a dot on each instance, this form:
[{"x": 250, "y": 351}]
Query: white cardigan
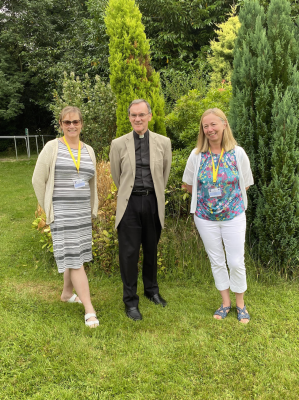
[{"x": 243, "y": 166}]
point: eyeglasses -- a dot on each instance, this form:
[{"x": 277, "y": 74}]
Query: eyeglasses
[
  {"x": 69, "y": 123},
  {"x": 142, "y": 115}
]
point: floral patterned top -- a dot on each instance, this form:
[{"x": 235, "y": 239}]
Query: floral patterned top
[{"x": 230, "y": 203}]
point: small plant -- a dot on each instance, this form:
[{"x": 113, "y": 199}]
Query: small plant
[
  {"x": 40, "y": 224},
  {"x": 162, "y": 268}
]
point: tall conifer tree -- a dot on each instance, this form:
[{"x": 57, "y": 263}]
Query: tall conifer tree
[
  {"x": 263, "y": 116},
  {"x": 277, "y": 220},
  {"x": 132, "y": 76}
]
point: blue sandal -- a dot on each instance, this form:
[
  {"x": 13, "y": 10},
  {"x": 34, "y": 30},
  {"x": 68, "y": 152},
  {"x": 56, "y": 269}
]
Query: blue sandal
[
  {"x": 223, "y": 311},
  {"x": 242, "y": 313}
]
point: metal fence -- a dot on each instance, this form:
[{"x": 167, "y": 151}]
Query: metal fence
[{"x": 27, "y": 142}]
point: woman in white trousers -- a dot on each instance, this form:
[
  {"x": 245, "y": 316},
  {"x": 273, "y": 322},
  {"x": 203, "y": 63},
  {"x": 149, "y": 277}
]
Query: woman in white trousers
[{"x": 218, "y": 174}]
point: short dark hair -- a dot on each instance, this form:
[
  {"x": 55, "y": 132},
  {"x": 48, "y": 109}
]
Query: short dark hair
[{"x": 140, "y": 101}]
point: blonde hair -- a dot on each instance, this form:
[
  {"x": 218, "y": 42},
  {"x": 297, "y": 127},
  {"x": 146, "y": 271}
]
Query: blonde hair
[
  {"x": 70, "y": 109},
  {"x": 228, "y": 140}
]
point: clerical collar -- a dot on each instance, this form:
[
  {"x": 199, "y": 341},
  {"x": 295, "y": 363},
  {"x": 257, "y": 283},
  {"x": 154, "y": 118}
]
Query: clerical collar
[{"x": 140, "y": 136}]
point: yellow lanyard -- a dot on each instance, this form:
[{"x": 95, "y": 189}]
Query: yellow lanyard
[
  {"x": 215, "y": 172},
  {"x": 77, "y": 164}
]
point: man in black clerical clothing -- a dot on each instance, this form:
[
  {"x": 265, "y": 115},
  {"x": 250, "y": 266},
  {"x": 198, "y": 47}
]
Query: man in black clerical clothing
[{"x": 140, "y": 164}]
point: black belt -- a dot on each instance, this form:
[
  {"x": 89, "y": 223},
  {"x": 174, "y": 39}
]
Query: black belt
[{"x": 142, "y": 192}]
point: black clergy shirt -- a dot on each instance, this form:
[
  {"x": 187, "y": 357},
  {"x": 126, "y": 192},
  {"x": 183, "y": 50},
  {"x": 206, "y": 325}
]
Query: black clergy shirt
[{"x": 143, "y": 176}]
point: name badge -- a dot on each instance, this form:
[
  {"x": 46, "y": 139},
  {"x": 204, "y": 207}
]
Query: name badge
[
  {"x": 215, "y": 192},
  {"x": 79, "y": 183}
]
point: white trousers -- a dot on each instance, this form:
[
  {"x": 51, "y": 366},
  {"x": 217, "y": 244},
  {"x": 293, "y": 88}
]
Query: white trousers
[{"x": 232, "y": 234}]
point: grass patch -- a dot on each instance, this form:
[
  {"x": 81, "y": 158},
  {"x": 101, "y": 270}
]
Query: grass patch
[{"x": 179, "y": 352}]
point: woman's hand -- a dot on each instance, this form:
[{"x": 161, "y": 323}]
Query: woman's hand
[{"x": 187, "y": 187}]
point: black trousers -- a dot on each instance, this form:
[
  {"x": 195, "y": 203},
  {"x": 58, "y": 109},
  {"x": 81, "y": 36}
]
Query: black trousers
[{"x": 140, "y": 225}]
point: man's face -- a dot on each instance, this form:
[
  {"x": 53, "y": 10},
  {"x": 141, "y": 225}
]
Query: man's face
[{"x": 139, "y": 118}]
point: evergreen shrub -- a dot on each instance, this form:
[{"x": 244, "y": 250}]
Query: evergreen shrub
[
  {"x": 131, "y": 74},
  {"x": 264, "y": 117}
]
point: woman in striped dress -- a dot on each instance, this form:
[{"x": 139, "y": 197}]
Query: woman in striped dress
[{"x": 65, "y": 184}]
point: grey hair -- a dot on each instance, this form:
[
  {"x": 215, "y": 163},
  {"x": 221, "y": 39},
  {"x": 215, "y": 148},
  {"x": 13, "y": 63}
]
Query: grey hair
[{"x": 138, "y": 101}]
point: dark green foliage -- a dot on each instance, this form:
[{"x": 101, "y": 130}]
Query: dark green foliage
[
  {"x": 176, "y": 83},
  {"x": 264, "y": 120},
  {"x": 49, "y": 37},
  {"x": 180, "y": 31},
  {"x": 41, "y": 40},
  {"x": 11, "y": 87}
]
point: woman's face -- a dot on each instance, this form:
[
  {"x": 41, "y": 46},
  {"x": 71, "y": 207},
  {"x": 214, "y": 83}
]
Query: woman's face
[
  {"x": 71, "y": 130},
  {"x": 213, "y": 128}
]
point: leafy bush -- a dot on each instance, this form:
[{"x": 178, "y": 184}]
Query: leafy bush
[
  {"x": 176, "y": 84},
  {"x": 182, "y": 125},
  {"x": 177, "y": 200},
  {"x": 98, "y": 106}
]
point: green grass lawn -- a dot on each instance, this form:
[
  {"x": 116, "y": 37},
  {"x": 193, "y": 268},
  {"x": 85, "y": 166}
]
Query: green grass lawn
[{"x": 179, "y": 352}]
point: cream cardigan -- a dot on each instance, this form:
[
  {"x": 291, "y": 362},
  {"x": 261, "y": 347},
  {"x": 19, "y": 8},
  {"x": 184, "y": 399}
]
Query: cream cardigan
[
  {"x": 43, "y": 179},
  {"x": 243, "y": 165}
]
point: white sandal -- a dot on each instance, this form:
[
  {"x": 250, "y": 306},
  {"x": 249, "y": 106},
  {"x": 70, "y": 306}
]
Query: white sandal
[
  {"x": 89, "y": 323},
  {"x": 73, "y": 299}
]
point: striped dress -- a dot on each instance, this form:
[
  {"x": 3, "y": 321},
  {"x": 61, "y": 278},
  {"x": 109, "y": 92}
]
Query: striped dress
[{"x": 71, "y": 229}]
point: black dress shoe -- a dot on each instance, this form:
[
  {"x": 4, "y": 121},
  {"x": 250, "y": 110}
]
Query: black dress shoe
[
  {"x": 157, "y": 299},
  {"x": 133, "y": 313}
]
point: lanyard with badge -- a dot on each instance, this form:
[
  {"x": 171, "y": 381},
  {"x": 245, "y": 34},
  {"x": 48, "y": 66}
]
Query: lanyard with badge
[
  {"x": 78, "y": 183},
  {"x": 215, "y": 191}
]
